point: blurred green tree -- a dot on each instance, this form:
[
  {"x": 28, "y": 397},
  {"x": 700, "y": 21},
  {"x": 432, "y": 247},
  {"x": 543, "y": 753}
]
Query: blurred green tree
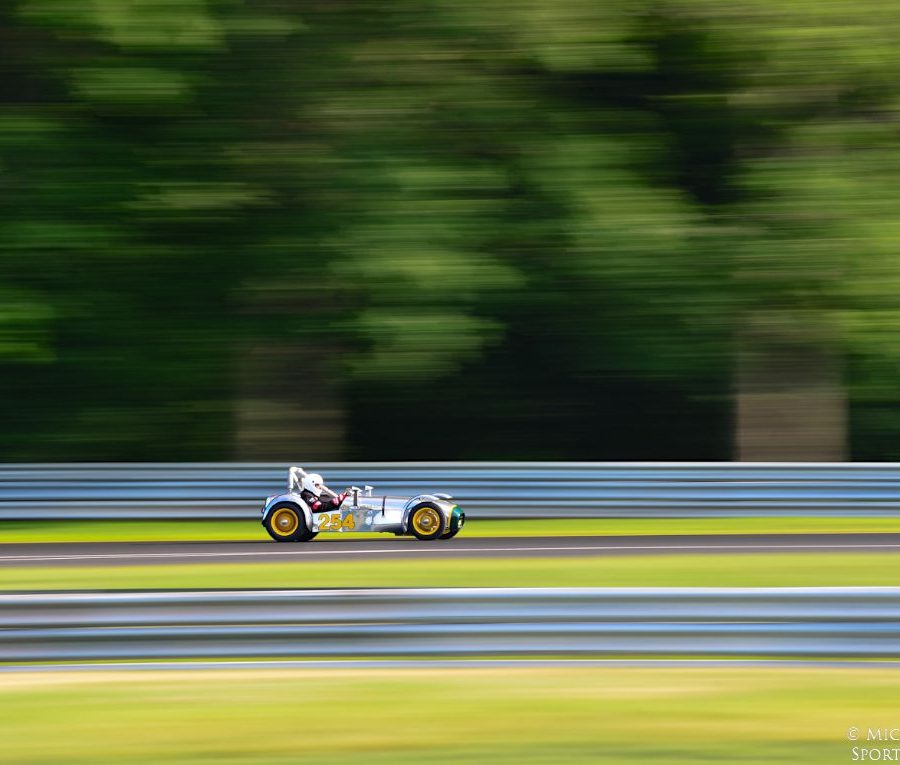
[{"x": 644, "y": 230}]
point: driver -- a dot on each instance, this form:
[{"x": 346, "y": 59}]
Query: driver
[{"x": 312, "y": 488}]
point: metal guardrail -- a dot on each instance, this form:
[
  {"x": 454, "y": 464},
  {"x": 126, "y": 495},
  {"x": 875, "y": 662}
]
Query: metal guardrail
[
  {"x": 697, "y": 622},
  {"x": 484, "y": 489}
]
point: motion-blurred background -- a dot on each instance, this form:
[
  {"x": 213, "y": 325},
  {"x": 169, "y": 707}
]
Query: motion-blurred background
[{"x": 448, "y": 229}]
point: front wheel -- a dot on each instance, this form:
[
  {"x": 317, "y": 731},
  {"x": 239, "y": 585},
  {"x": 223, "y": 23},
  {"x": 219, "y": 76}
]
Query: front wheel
[
  {"x": 426, "y": 522},
  {"x": 285, "y": 523}
]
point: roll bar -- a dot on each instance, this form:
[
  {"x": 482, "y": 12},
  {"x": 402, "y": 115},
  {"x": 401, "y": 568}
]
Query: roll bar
[{"x": 295, "y": 478}]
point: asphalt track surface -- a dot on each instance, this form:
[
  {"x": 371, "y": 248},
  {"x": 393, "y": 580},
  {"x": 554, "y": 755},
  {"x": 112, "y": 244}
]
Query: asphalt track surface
[{"x": 150, "y": 553}]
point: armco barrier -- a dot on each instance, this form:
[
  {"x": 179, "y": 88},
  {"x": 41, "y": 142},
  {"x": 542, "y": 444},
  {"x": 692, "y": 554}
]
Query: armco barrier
[
  {"x": 698, "y": 622},
  {"x": 484, "y": 489}
]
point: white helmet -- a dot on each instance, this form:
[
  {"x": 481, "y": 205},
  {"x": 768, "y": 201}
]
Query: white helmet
[{"x": 313, "y": 482}]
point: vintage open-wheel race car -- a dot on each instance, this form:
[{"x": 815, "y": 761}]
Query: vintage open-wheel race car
[{"x": 288, "y": 517}]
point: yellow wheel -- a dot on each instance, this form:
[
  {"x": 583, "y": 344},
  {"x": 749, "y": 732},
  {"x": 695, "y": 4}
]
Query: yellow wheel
[
  {"x": 426, "y": 522},
  {"x": 285, "y": 523}
]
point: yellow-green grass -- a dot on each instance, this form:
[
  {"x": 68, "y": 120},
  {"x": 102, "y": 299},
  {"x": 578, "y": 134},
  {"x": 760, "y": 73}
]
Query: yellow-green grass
[
  {"x": 739, "y": 570},
  {"x": 231, "y": 530},
  {"x": 520, "y": 715}
]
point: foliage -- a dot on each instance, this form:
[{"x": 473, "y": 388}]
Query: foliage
[{"x": 542, "y": 229}]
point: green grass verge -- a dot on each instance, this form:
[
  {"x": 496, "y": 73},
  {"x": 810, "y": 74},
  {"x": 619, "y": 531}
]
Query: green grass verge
[
  {"x": 764, "y": 570},
  {"x": 486, "y": 715},
  {"x": 169, "y": 531}
]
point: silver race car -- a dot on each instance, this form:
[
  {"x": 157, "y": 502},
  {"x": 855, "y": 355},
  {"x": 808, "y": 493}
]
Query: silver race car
[{"x": 289, "y": 517}]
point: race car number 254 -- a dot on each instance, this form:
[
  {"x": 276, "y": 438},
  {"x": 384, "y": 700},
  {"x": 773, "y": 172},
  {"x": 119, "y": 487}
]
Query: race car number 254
[{"x": 333, "y": 522}]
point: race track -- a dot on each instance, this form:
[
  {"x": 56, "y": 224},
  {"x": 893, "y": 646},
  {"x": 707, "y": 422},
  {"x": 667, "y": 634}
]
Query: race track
[{"x": 143, "y": 553}]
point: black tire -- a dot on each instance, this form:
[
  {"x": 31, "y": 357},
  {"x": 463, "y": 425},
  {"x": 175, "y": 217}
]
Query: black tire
[
  {"x": 426, "y": 522},
  {"x": 285, "y": 523},
  {"x": 450, "y": 534}
]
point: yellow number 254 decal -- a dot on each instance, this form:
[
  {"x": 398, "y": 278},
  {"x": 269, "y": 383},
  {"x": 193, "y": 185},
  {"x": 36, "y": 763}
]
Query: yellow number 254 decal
[{"x": 333, "y": 522}]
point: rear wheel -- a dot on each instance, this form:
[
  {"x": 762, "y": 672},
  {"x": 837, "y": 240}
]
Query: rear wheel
[
  {"x": 285, "y": 523},
  {"x": 426, "y": 522}
]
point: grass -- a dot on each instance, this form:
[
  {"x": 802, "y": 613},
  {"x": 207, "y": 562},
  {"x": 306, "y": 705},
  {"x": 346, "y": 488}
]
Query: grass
[
  {"x": 763, "y": 570},
  {"x": 230, "y": 530},
  {"x": 525, "y": 716}
]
